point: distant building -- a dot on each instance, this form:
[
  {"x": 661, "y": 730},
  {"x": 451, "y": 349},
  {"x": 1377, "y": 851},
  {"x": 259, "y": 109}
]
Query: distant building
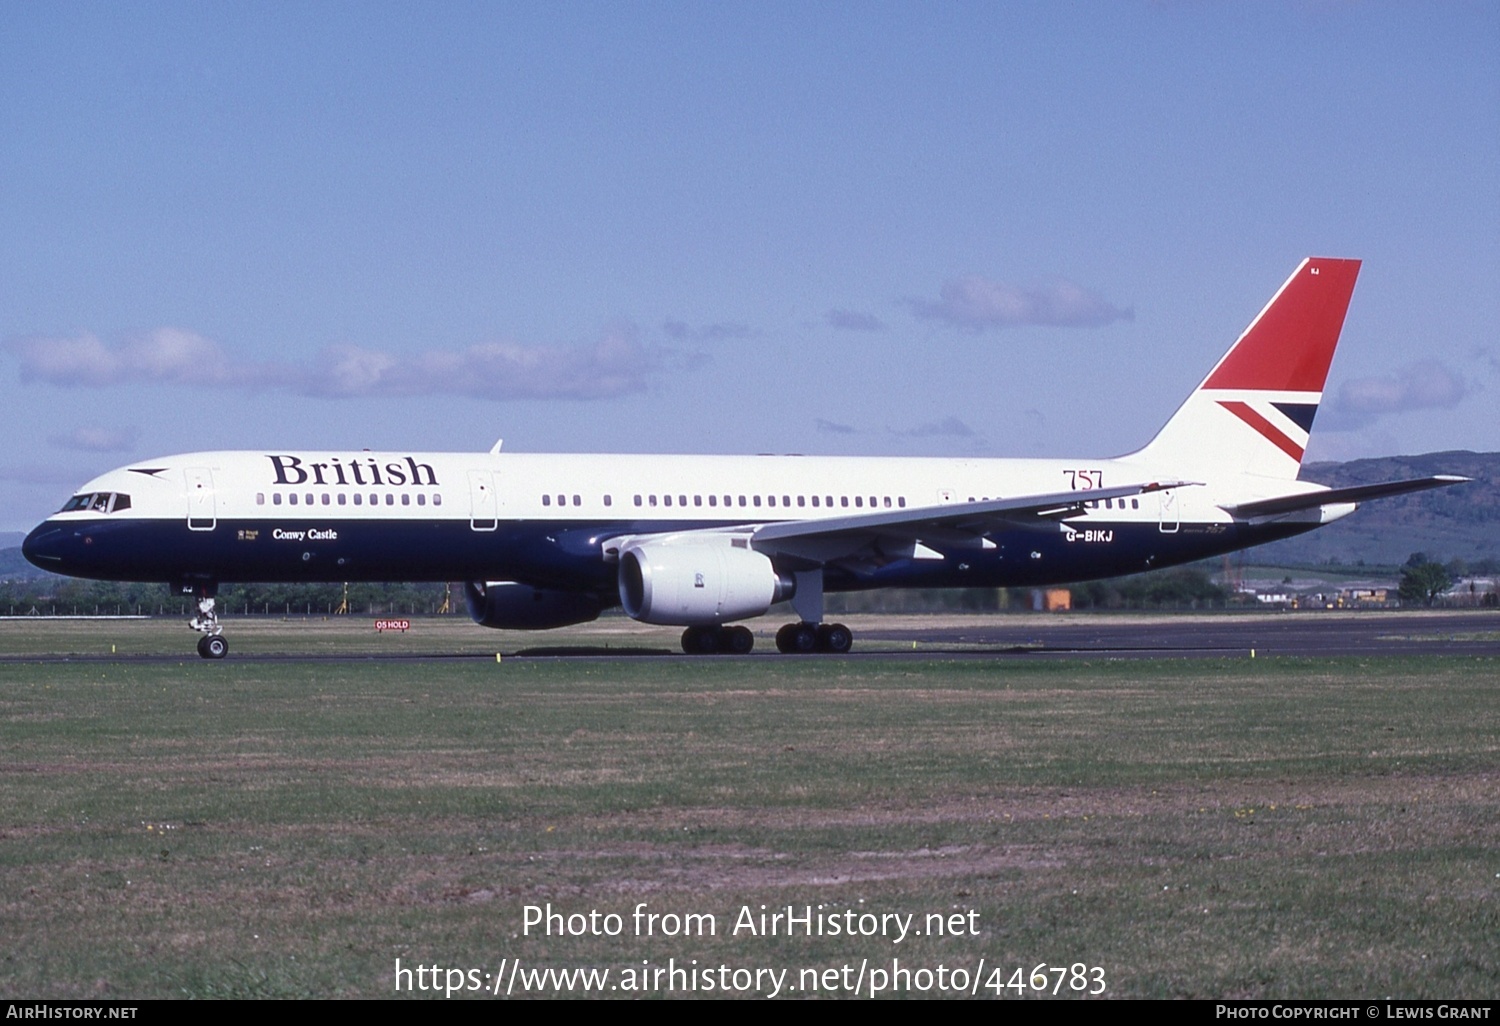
[
  {"x": 1051, "y": 600},
  {"x": 1471, "y": 591}
]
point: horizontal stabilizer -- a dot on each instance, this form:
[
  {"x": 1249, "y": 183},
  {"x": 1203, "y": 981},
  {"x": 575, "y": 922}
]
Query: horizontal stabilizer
[{"x": 1332, "y": 496}]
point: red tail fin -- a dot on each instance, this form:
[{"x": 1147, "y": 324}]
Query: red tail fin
[
  {"x": 1289, "y": 346},
  {"x": 1254, "y": 411}
]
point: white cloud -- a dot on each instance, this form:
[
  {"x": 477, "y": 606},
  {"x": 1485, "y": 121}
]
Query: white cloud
[
  {"x": 167, "y": 355},
  {"x": 615, "y": 365},
  {"x": 977, "y": 304},
  {"x": 1424, "y": 385}
]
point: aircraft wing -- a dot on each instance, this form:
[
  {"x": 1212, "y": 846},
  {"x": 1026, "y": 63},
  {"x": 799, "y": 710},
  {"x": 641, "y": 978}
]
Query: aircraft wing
[
  {"x": 898, "y": 533},
  {"x": 1331, "y": 496}
]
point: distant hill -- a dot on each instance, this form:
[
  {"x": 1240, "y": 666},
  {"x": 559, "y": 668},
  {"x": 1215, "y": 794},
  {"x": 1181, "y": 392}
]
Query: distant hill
[
  {"x": 13, "y": 567},
  {"x": 1462, "y": 522}
]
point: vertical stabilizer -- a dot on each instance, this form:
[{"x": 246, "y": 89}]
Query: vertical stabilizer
[{"x": 1254, "y": 412}]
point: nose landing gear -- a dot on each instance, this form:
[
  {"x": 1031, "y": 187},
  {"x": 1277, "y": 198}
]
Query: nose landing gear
[{"x": 213, "y": 644}]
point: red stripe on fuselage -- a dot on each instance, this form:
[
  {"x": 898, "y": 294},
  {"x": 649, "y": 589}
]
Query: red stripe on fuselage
[{"x": 1272, "y": 433}]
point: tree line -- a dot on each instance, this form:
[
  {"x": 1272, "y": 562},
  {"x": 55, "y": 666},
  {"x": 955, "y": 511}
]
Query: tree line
[{"x": 69, "y": 596}]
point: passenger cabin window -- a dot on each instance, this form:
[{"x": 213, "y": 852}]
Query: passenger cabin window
[{"x": 276, "y": 498}]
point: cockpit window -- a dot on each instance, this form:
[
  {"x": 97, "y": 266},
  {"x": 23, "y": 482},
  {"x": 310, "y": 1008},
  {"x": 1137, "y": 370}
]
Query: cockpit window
[{"x": 97, "y": 502}]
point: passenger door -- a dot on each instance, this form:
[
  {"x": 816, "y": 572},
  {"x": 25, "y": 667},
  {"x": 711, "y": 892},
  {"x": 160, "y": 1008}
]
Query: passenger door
[
  {"x": 483, "y": 507},
  {"x": 202, "y": 513}
]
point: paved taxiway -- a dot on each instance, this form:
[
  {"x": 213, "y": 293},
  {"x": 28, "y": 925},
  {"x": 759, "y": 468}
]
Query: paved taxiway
[
  {"x": 1333, "y": 633},
  {"x": 1071, "y": 636}
]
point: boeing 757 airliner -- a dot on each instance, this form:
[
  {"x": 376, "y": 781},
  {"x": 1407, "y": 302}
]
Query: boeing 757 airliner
[{"x": 703, "y": 541}]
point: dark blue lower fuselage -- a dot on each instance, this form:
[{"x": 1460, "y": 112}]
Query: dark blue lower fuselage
[{"x": 569, "y": 554}]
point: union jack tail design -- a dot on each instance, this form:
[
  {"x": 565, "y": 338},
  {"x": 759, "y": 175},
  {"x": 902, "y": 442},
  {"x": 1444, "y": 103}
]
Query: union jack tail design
[{"x": 1254, "y": 411}]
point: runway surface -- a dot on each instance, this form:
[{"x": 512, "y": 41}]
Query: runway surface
[
  {"x": 1316, "y": 634},
  {"x": 1301, "y": 634}
]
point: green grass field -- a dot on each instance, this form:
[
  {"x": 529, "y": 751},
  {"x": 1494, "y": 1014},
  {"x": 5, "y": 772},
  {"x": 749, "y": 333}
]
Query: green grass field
[{"x": 1267, "y": 828}]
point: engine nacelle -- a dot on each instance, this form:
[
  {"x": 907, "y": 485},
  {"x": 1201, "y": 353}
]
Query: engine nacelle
[
  {"x": 698, "y": 582},
  {"x": 520, "y": 607}
]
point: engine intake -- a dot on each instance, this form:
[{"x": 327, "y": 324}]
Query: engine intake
[{"x": 698, "y": 582}]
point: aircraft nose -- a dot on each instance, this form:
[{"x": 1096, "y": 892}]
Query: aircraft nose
[{"x": 43, "y": 547}]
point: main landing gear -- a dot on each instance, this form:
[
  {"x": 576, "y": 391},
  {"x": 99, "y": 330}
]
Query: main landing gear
[
  {"x": 812, "y": 634},
  {"x": 213, "y": 644},
  {"x": 803, "y": 638},
  {"x": 714, "y": 640}
]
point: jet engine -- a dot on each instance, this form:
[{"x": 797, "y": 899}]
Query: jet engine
[
  {"x": 698, "y": 582},
  {"x": 520, "y": 607}
]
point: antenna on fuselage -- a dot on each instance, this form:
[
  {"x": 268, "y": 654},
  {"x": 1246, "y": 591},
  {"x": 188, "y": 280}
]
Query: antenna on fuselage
[{"x": 496, "y": 447}]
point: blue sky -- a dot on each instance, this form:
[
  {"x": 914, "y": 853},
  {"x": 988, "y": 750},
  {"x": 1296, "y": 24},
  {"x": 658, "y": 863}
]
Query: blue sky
[{"x": 915, "y": 229}]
